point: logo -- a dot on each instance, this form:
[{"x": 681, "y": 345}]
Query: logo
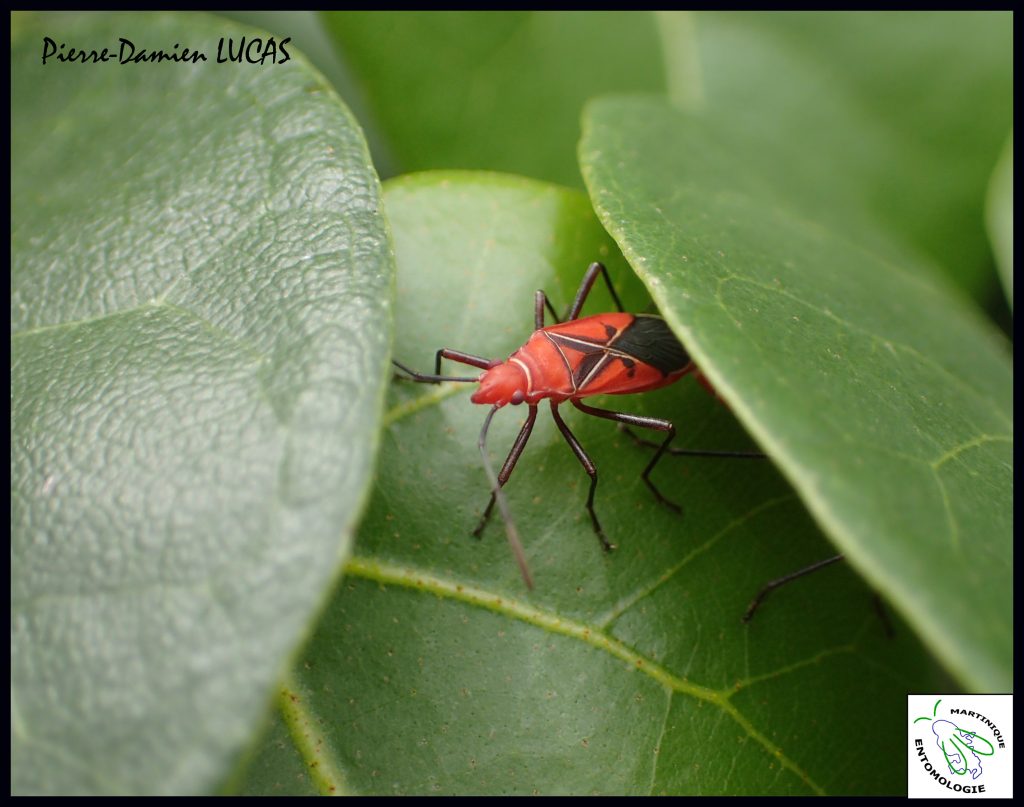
[{"x": 959, "y": 746}]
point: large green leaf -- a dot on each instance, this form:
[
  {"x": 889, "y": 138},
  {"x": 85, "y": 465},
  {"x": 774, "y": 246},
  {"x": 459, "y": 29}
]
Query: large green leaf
[
  {"x": 877, "y": 118},
  {"x": 434, "y": 670},
  {"x": 306, "y": 31},
  {"x": 884, "y": 399},
  {"x": 200, "y": 320},
  {"x": 497, "y": 90}
]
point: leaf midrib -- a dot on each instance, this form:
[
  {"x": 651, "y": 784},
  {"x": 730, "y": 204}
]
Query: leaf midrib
[{"x": 327, "y": 771}]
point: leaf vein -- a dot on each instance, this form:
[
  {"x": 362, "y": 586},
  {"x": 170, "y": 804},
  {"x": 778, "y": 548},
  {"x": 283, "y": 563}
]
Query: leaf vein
[
  {"x": 385, "y": 573},
  {"x": 312, "y": 744}
]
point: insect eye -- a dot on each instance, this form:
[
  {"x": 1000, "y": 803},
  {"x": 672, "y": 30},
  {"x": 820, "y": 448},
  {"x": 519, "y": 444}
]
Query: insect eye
[{"x": 518, "y": 397}]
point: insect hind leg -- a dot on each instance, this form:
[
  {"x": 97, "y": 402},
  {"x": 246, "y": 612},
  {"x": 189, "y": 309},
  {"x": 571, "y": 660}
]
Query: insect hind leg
[
  {"x": 691, "y": 452},
  {"x": 770, "y": 586}
]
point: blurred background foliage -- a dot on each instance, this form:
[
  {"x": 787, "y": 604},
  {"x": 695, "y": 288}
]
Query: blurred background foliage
[{"x": 904, "y": 115}]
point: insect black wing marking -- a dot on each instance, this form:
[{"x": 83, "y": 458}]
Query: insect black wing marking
[
  {"x": 646, "y": 339},
  {"x": 593, "y": 350},
  {"x": 589, "y": 365},
  {"x": 649, "y": 339}
]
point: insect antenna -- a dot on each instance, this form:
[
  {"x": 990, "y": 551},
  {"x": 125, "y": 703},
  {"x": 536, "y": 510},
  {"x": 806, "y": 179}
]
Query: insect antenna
[{"x": 499, "y": 496}]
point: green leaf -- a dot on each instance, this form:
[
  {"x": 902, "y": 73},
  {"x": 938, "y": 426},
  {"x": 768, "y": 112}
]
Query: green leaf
[
  {"x": 200, "y": 319},
  {"x": 276, "y": 764},
  {"x": 496, "y": 90},
  {"x": 1000, "y": 217},
  {"x": 875, "y": 119},
  {"x": 434, "y": 670},
  {"x": 306, "y": 32},
  {"x": 884, "y": 399}
]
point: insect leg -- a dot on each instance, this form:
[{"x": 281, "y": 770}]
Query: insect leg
[
  {"x": 589, "y": 467},
  {"x": 774, "y": 584},
  {"x": 425, "y": 378},
  {"x": 463, "y": 358},
  {"x": 510, "y": 464},
  {"x": 510, "y": 527},
  {"x": 539, "y": 301},
  {"x": 453, "y": 355},
  {"x": 647, "y": 423},
  {"x": 589, "y": 279},
  {"x": 692, "y": 452},
  {"x": 880, "y": 610},
  {"x": 781, "y": 581}
]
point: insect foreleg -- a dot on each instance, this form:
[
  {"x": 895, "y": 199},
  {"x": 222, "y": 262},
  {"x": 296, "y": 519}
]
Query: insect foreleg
[
  {"x": 426, "y": 378},
  {"x": 453, "y": 355},
  {"x": 589, "y": 467},
  {"x": 510, "y": 464},
  {"x": 588, "y": 283},
  {"x": 463, "y": 358},
  {"x": 647, "y": 423}
]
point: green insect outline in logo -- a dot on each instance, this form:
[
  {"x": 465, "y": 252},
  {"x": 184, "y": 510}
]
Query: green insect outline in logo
[{"x": 961, "y": 747}]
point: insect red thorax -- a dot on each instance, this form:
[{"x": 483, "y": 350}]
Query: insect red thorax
[{"x": 603, "y": 354}]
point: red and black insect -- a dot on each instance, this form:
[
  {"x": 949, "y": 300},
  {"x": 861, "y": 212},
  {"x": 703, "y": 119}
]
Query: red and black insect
[{"x": 603, "y": 354}]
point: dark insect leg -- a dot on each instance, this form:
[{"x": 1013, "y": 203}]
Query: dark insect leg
[
  {"x": 541, "y": 300},
  {"x": 510, "y": 527},
  {"x": 781, "y": 581},
  {"x": 647, "y": 423},
  {"x": 774, "y": 584},
  {"x": 883, "y": 616},
  {"x": 589, "y": 467},
  {"x": 588, "y": 283},
  {"x": 692, "y": 452},
  {"x": 463, "y": 358},
  {"x": 425, "y": 378},
  {"x": 510, "y": 464},
  {"x": 454, "y": 355}
]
